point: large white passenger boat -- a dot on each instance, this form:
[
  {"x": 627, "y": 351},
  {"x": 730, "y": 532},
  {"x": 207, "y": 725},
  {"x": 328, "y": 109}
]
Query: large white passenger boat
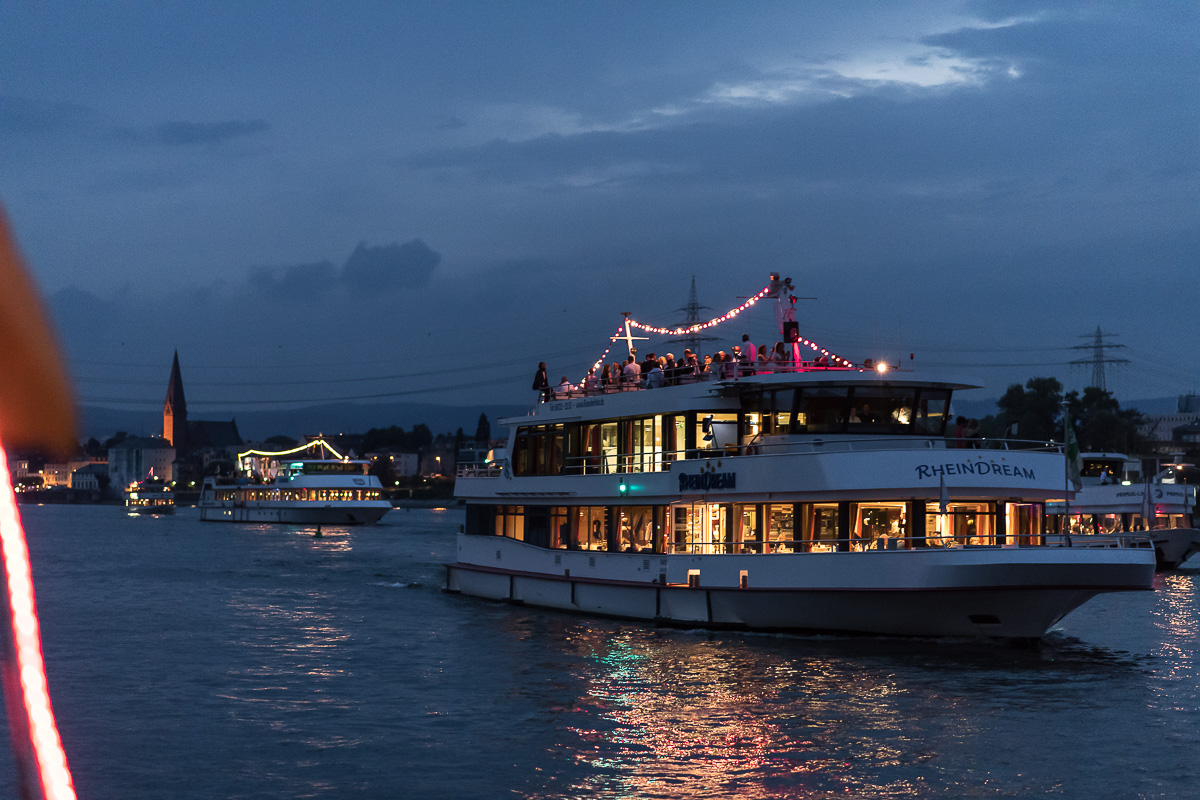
[
  {"x": 292, "y": 488},
  {"x": 1116, "y": 499},
  {"x": 789, "y": 495}
]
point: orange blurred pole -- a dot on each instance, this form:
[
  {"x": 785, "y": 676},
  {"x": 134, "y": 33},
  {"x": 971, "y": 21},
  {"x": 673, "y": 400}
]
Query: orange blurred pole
[{"x": 36, "y": 410}]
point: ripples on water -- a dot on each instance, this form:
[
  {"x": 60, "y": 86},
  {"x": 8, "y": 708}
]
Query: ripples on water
[{"x": 203, "y": 661}]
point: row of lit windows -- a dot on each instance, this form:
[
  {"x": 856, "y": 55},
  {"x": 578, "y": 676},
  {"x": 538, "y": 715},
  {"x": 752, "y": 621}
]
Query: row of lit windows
[{"x": 707, "y": 528}]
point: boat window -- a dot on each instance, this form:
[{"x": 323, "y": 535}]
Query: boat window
[
  {"x": 821, "y": 410},
  {"x": 700, "y": 528},
  {"x": 673, "y": 441},
  {"x": 479, "y": 520},
  {"x": 592, "y": 528},
  {"x": 1023, "y": 523},
  {"x": 931, "y": 412},
  {"x": 881, "y": 409},
  {"x": 1104, "y": 470},
  {"x": 609, "y": 446},
  {"x": 817, "y": 527},
  {"x": 779, "y": 530},
  {"x": 877, "y": 526},
  {"x": 636, "y": 529},
  {"x": 962, "y": 524},
  {"x": 510, "y": 522},
  {"x": 560, "y": 526}
]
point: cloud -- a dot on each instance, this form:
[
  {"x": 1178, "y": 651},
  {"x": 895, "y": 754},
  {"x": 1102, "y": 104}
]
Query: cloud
[
  {"x": 29, "y": 117},
  {"x": 186, "y": 134},
  {"x": 385, "y": 269},
  {"x": 293, "y": 283}
]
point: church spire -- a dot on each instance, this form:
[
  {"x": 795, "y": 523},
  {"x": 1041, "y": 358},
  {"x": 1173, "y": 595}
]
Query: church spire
[{"x": 175, "y": 407}]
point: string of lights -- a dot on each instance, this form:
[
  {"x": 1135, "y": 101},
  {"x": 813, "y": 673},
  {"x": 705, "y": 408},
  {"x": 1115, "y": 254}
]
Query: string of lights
[{"x": 685, "y": 330}]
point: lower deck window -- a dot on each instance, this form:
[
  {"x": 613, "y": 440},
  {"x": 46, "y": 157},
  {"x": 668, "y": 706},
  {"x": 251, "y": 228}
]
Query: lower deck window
[{"x": 510, "y": 522}]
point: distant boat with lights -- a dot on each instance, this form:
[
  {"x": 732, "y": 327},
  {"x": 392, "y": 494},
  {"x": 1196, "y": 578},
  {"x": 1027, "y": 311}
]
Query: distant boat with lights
[
  {"x": 290, "y": 487},
  {"x": 1115, "y": 500},
  {"x": 805, "y": 493},
  {"x": 151, "y": 495}
]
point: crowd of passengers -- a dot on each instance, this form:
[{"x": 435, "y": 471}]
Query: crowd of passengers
[{"x": 655, "y": 371}]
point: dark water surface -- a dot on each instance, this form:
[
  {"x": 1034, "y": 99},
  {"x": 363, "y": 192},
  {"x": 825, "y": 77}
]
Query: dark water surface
[{"x": 208, "y": 660}]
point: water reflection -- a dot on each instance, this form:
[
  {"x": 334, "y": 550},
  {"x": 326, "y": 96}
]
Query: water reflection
[{"x": 668, "y": 714}]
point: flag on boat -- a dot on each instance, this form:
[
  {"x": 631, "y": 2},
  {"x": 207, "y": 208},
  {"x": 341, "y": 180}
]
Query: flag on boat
[
  {"x": 1147, "y": 507},
  {"x": 1074, "y": 465},
  {"x": 943, "y": 497}
]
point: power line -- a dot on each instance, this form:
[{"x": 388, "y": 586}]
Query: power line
[{"x": 311, "y": 400}]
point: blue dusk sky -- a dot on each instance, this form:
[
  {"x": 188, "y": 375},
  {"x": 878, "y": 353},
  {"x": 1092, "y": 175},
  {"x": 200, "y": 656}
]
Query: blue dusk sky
[{"x": 420, "y": 201}]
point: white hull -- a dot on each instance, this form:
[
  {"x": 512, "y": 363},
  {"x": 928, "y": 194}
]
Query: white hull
[
  {"x": 1172, "y": 546},
  {"x": 994, "y": 592},
  {"x": 315, "y": 514}
]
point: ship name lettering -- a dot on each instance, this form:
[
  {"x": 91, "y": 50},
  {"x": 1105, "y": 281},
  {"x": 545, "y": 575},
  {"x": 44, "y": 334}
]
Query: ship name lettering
[
  {"x": 707, "y": 480},
  {"x": 973, "y": 468}
]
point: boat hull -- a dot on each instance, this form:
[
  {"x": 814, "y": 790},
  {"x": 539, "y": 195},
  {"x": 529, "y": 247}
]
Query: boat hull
[
  {"x": 1008, "y": 593},
  {"x": 151, "y": 510},
  {"x": 1172, "y": 546},
  {"x": 331, "y": 514}
]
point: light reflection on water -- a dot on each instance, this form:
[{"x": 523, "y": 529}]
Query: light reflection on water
[{"x": 273, "y": 663}]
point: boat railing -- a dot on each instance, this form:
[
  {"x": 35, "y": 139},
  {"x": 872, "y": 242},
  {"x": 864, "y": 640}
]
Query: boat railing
[
  {"x": 492, "y": 470},
  {"x": 684, "y": 376},
  {"x": 930, "y": 541}
]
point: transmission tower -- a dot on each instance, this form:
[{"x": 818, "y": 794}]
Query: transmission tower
[
  {"x": 1098, "y": 359},
  {"x": 693, "y": 309}
]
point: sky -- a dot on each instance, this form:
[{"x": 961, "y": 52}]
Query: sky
[{"x": 420, "y": 201}]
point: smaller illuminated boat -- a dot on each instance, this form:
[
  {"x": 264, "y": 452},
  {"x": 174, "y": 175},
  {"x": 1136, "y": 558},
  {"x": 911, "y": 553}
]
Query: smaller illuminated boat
[
  {"x": 1115, "y": 500},
  {"x": 151, "y": 495},
  {"x": 291, "y": 487}
]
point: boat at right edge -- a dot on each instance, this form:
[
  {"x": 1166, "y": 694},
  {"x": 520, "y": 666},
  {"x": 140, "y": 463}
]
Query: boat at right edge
[
  {"x": 1114, "y": 500},
  {"x": 808, "y": 494}
]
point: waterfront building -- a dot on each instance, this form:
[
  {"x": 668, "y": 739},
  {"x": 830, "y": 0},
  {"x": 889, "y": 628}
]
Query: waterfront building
[{"x": 134, "y": 458}]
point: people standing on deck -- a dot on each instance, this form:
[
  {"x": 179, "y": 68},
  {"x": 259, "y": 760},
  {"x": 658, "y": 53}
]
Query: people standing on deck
[
  {"x": 779, "y": 357},
  {"x": 743, "y": 360},
  {"x": 654, "y": 378},
  {"x": 606, "y": 378},
  {"x": 564, "y": 387},
  {"x": 960, "y": 427},
  {"x": 631, "y": 375},
  {"x": 748, "y": 348},
  {"x": 971, "y": 433},
  {"x": 671, "y": 370},
  {"x": 590, "y": 383},
  {"x": 762, "y": 364},
  {"x": 647, "y": 364},
  {"x": 541, "y": 384},
  {"x": 707, "y": 370},
  {"x": 691, "y": 368}
]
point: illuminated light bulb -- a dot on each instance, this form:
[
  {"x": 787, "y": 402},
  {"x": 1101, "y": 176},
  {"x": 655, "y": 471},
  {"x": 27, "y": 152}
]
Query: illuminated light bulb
[{"x": 881, "y": 367}]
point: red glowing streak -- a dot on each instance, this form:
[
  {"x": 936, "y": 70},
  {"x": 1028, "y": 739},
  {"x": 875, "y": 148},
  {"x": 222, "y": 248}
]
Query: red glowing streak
[{"x": 49, "y": 760}]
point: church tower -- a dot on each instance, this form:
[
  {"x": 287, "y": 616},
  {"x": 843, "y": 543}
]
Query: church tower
[{"x": 175, "y": 410}]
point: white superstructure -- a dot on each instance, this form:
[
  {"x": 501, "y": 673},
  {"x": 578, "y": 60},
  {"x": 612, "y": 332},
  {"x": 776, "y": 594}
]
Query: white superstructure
[
  {"x": 288, "y": 487},
  {"x": 780, "y": 496}
]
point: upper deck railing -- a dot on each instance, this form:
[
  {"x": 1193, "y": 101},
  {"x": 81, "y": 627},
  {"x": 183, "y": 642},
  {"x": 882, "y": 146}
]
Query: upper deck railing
[
  {"x": 593, "y": 386},
  {"x": 615, "y": 463}
]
